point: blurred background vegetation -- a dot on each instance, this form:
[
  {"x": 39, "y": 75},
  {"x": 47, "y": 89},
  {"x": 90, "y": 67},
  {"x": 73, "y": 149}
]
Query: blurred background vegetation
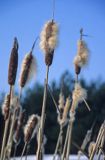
[{"x": 32, "y": 102}]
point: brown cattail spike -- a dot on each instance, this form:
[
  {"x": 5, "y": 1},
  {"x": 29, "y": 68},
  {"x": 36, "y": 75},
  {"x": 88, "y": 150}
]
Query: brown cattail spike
[
  {"x": 49, "y": 58},
  {"x": 77, "y": 69},
  {"x": 31, "y": 128},
  {"x": 27, "y": 63},
  {"x": 13, "y": 64},
  {"x": 6, "y": 106}
]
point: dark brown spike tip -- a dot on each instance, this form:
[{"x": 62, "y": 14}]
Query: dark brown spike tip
[
  {"x": 13, "y": 63},
  {"x": 49, "y": 58},
  {"x": 77, "y": 69}
]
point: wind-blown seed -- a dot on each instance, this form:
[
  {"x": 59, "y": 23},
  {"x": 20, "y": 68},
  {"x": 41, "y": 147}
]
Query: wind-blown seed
[{"x": 13, "y": 63}]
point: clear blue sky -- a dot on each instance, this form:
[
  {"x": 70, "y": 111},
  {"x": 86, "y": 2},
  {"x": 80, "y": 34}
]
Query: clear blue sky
[{"x": 25, "y": 18}]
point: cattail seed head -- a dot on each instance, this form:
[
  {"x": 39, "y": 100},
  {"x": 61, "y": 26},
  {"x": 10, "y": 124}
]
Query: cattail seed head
[
  {"x": 28, "y": 69},
  {"x": 63, "y": 119},
  {"x": 31, "y": 128},
  {"x": 66, "y": 109},
  {"x": 48, "y": 41},
  {"x": 81, "y": 59},
  {"x": 61, "y": 107},
  {"x": 78, "y": 95},
  {"x": 6, "y": 106},
  {"x": 13, "y": 63}
]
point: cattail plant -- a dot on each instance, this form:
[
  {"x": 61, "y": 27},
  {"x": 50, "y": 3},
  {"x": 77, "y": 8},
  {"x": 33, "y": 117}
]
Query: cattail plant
[
  {"x": 77, "y": 97},
  {"x": 82, "y": 56},
  {"x": 28, "y": 68},
  {"x": 62, "y": 120},
  {"x": 98, "y": 141},
  {"x": 48, "y": 42},
  {"x": 15, "y": 109},
  {"x": 79, "y": 94},
  {"x": 12, "y": 71},
  {"x": 30, "y": 130}
]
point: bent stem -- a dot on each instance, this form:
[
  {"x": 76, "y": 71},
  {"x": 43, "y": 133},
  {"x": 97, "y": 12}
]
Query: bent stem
[
  {"x": 41, "y": 129},
  {"x": 86, "y": 104},
  {"x": 49, "y": 89}
]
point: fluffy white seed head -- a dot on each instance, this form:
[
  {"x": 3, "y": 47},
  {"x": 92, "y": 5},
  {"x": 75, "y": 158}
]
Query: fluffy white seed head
[
  {"x": 48, "y": 37},
  {"x": 81, "y": 59},
  {"x": 78, "y": 95},
  {"x": 64, "y": 119},
  {"x": 28, "y": 69},
  {"x": 61, "y": 101}
]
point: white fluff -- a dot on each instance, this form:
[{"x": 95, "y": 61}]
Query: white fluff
[
  {"x": 61, "y": 101},
  {"x": 32, "y": 71},
  {"x": 48, "y": 39},
  {"x": 78, "y": 95},
  {"x": 65, "y": 112},
  {"x": 81, "y": 59}
]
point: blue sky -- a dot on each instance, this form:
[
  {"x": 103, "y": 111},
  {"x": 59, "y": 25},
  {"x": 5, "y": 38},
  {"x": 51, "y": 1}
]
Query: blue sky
[{"x": 25, "y": 19}]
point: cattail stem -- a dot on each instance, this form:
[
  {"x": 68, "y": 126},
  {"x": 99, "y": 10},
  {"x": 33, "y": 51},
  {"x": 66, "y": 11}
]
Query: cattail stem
[
  {"x": 80, "y": 149},
  {"x": 58, "y": 142},
  {"x": 27, "y": 150},
  {"x": 53, "y": 10},
  {"x": 102, "y": 144},
  {"x": 61, "y": 142},
  {"x": 10, "y": 139},
  {"x": 65, "y": 145},
  {"x": 15, "y": 149},
  {"x": 41, "y": 129},
  {"x": 5, "y": 136},
  {"x": 24, "y": 148},
  {"x": 86, "y": 104},
  {"x": 69, "y": 139},
  {"x": 6, "y": 128},
  {"x": 49, "y": 89},
  {"x": 97, "y": 142}
]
